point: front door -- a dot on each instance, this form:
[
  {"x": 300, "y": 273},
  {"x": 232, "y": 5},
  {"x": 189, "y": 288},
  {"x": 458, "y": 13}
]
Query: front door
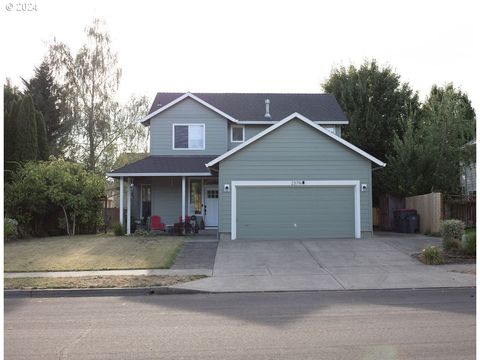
[{"x": 211, "y": 205}]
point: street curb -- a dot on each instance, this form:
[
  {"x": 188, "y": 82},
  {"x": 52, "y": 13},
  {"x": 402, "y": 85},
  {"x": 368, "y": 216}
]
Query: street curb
[
  {"x": 39, "y": 293},
  {"x": 30, "y": 293}
]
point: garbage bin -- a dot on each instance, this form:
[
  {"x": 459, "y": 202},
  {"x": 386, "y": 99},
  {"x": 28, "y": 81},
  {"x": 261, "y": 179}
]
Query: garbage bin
[
  {"x": 413, "y": 222},
  {"x": 405, "y": 220}
]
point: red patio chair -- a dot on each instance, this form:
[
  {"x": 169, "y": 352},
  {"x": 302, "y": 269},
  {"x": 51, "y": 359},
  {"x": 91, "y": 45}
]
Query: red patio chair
[{"x": 156, "y": 223}]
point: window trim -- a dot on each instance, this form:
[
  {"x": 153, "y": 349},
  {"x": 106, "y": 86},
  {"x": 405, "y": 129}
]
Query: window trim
[
  {"x": 231, "y": 133},
  {"x": 331, "y": 128},
  {"x": 189, "y": 124}
]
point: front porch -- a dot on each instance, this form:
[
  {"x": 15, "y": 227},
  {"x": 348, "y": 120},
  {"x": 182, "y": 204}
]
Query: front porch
[
  {"x": 169, "y": 197},
  {"x": 170, "y": 187}
]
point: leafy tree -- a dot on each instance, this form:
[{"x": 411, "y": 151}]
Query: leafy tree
[
  {"x": 41, "y": 137},
  {"x": 55, "y": 185},
  {"x": 47, "y": 98},
  {"x": 26, "y": 144},
  {"x": 377, "y": 105},
  {"x": 429, "y": 155},
  {"x": 90, "y": 79}
]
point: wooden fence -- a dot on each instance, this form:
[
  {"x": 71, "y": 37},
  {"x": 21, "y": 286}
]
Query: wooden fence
[
  {"x": 429, "y": 208},
  {"x": 435, "y": 207},
  {"x": 461, "y": 208}
]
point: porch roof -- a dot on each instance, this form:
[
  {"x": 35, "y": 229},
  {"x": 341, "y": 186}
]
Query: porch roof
[{"x": 168, "y": 165}]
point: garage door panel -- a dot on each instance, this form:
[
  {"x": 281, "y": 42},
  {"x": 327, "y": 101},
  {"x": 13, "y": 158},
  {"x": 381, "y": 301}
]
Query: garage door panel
[{"x": 295, "y": 212}]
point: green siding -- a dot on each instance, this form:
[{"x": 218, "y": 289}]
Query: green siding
[
  {"x": 299, "y": 212},
  {"x": 250, "y": 131},
  {"x": 167, "y": 198},
  {"x": 295, "y": 151},
  {"x": 188, "y": 111}
]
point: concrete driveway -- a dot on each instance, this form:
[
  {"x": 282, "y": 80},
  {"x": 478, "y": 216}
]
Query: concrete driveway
[{"x": 381, "y": 262}]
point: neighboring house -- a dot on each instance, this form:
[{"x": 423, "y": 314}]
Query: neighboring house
[
  {"x": 468, "y": 177},
  {"x": 253, "y": 166}
]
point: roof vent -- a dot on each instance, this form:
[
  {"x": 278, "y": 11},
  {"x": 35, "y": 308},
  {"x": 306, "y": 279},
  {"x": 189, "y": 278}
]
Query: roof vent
[{"x": 267, "y": 108}]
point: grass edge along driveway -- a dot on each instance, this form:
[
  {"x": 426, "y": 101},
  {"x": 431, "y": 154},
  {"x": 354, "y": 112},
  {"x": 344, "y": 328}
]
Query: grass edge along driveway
[
  {"x": 91, "y": 252},
  {"x": 92, "y": 282}
]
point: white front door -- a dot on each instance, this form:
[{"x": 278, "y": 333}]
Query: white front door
[{"x": 211, "y": 205}]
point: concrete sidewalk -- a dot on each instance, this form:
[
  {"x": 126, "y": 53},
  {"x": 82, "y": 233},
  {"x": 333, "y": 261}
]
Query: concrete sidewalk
[{"x": 382, "y": 262}]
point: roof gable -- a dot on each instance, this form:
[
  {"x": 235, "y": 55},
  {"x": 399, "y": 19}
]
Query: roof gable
[
  {"x": 308, "y": 122},
  {"x": 146, "y": 119}
]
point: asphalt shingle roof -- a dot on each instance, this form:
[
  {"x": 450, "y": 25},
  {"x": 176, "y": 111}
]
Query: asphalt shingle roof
[
  {"x": 251, "y": 106},
  {"x": 167, "y": 164}
]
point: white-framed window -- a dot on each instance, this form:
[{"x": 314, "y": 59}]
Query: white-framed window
[
  {"x": 331, "y": 129},
  {"x": 188, "y": 137},
  {"x": 237, "y": 133}
]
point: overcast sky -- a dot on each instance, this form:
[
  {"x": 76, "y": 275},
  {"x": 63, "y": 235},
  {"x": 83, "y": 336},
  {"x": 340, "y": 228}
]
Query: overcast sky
[{"x": 256, "y": 46}]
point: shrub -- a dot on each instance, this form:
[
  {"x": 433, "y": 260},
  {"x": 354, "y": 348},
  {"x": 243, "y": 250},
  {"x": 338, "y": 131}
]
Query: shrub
[
  {"x": 141, "y": 232},
  {"x": 452, "y": 231},
  {"x": 469, "y": 243},
  {"x": 10, "y": 229},
  {"x": 118, "y": 229},
  {"x": 431, "y": 255}
]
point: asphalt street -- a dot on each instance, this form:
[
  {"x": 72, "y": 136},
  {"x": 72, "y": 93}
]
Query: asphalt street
[{"x": 380, "y": 324}]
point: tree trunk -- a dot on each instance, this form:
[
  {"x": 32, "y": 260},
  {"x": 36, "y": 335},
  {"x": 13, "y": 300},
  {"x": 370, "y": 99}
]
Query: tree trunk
[
  {"x": 66, "y": 220},
  {"x": 91, "y": 126},
  {"x": 73, "y": 225}
]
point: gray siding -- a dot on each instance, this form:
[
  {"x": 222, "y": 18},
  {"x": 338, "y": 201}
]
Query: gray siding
[
  {"x": 188, "y": 111},
  {"x": 468, "y": 179},
  {"x": 252, "y": 130},
  {"x": 295, "y": 151},
  {"x": 167, "y": 198}
]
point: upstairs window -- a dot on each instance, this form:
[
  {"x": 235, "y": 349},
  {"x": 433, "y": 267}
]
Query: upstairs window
[
  {"x": 331, "y": 129},
  {"x": 188, "y": 136},
  {"x": 238, "y": 133}
]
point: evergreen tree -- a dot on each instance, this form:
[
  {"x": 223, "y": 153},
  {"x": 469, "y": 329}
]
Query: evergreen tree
[
  {"x": 46, "y": 98},
  {"x": 41, "y": 137},
  {"x": 26, "y": 144},
  {"x": 10, "y": 131}
]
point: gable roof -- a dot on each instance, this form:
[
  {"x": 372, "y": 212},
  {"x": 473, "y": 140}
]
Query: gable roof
[
  {"x": 250, "y": 107},
  {"x": 308, "y": 122}
]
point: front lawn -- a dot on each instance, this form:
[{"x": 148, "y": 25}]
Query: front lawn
[
  {"x": 91, "y": 252},
  {"x": 97, "y": 282}
]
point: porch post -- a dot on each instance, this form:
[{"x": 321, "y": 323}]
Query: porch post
[
  {"x": 129, "y": 205},
  {"x": 121, "y": 200},
  {"x": 183, "y": 198}
]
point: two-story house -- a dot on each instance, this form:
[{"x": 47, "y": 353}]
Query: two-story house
[{"x": 253, "y": 166}]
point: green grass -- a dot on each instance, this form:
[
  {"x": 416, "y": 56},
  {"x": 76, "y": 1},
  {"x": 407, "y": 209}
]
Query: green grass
[
  {"x": 91, "y": 252},
  {"x": 97, "y": 282}
]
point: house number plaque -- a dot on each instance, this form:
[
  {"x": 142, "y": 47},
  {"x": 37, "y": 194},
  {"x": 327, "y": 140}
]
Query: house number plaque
[{"x": 298, "y": 182}]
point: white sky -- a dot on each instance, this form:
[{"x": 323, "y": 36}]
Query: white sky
[{"x": 256, "y": 46}]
